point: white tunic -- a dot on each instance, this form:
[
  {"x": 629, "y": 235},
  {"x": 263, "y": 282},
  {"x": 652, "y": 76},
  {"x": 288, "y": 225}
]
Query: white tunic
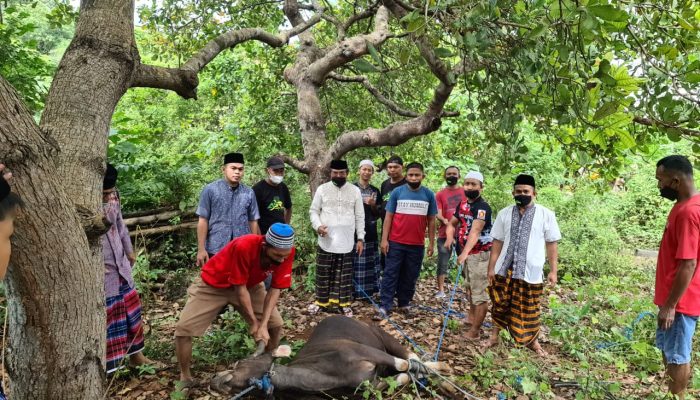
[
  {"x": 342, "y": 211},
  {"x": 544, "y": 230}
]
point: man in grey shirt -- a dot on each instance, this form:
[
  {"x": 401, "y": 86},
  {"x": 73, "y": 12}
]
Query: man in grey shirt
[{"x": 227, "y": 209}]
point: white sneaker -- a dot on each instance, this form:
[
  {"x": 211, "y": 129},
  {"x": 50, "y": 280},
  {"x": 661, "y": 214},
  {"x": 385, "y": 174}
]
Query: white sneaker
[{"x": 440, "y": 295}]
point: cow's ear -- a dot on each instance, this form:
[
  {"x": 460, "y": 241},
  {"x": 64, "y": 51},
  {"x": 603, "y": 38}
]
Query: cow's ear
[{"x": 282, "y": 351}]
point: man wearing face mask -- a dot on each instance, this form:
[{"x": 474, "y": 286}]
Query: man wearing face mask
[
  {"x": 366, "y": 265},
  {"x": 235, "y": 276},
  {"x": 410, "y": 211},
  {"x": 337, "y": 215},
  {"x": 272, "y": 196},
  {"x": 473, "y": 217},
  {"x": 447, "y": 201},
  {"x": 677, "y": 290},
  {"x": 124, "y": 325},
  {"x": 529, "y": 234}
]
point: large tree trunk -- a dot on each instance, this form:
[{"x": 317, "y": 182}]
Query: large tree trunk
[
  {"x": 56, "y": 306},
  {"x": 57, "y": 329}
]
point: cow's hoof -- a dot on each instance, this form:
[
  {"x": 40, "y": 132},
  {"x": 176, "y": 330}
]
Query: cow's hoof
[
  {"x": 447, "y": 387},
  {"x": 221, "y": 383},
  {"x": 400, "y": 364},
  {"x": 403, "y": 379},
  {"x": 439, "y": 367}
]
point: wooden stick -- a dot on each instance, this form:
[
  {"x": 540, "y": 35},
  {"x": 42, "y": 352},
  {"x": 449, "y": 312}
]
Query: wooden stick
[
  {"x": 153, "y": 218},
  {"x": 163, "y": 229}
]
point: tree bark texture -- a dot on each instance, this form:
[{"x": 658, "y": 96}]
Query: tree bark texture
[
  {"x": 314, "y": 65},
  {"x": 56, "y": 282},
  {"x": 55, "y": 291}
]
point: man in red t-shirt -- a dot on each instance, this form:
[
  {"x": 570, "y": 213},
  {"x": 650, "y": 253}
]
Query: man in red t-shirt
[
  {"x": 447, "y": 201},
  {"x": 677, "y": 291},
  {"x": 235, "y": 276}
]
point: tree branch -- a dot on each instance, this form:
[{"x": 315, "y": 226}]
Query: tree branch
[
  {"x": 369, "y": 12},
  {"x": 375, "y": 92},
  {"x": 233, "y": 38},
  {"x": 391, "y": 135},
  {"x": 396, "y": 133},
  {"x": 182, "y": 82},
  {"x": 512, "y": 24},
  {"x": 350, "y": 49},
  {"x": 655, "y": 122},
  {"x": 298, "y": 165},
  {"x": 437, "y": 67}
]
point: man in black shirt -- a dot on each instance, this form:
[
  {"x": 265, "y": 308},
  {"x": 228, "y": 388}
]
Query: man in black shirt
[
  {"x": 272, "y": 195},
  {"x": 394, "y": 168},
  {"x": 366, "y": 265}
]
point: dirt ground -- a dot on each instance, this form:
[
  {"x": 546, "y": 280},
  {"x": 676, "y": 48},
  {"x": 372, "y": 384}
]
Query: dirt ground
[{"x": 424, "y": 328}]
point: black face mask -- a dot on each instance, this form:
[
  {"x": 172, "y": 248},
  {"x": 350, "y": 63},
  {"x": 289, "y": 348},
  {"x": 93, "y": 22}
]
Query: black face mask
[
  {"x": 451, "y": 180},
  {"x": 472, "y": 194},
  {"x": 668, "y": 193},
  {"x": 522, "y": 200},
  {"x": 339, "y": 181},
  {"x": 414, "y": 185}
]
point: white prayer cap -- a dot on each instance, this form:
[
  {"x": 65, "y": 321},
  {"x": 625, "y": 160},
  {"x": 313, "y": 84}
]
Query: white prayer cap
[
  {"x": 366, "y": 162},
  {"x": 475, "y": 175}
]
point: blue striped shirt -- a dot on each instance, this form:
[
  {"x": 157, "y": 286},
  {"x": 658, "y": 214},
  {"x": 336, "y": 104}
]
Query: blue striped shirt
[{"x": 228, "y": 211}]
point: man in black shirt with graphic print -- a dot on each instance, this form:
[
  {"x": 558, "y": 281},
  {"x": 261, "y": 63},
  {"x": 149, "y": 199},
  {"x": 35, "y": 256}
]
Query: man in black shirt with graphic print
[
  {"x": 474, "y": 220},
  {"x": 272, "y": 195}
]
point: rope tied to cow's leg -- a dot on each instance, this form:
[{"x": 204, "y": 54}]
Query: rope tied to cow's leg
[{"x": 417, "y": 367}]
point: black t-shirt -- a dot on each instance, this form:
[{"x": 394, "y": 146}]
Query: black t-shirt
[
  {"x": 370, "y": 217},
  {"x": 272, "y": 200},
  {"x": 386, "y": 189},
  {"x": 466, "y": 213}
]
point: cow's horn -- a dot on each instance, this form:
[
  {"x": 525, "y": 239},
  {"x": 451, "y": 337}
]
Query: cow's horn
[{"x": 260, "y": 349}]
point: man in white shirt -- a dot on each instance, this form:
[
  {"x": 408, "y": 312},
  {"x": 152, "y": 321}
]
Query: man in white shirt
[
  {"x": 337, "y": 215},
  {"x": 528, "y": 234}
]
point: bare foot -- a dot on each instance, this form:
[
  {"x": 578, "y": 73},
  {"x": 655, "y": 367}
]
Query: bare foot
[
  {"x": 490, "y": 343},
  {"x": 537, "y": 348},
  {"x": 139, "y": 359},
  {"x": 472, "y": 336}
]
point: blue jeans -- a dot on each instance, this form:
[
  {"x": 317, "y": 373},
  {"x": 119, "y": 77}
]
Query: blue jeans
[
  {"x": 401, "y": 272},
  {"x": 676, "y": 343}
]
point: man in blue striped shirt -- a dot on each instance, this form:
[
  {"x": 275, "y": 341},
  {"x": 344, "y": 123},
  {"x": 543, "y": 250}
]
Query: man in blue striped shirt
[{"x": 227, "y": 209}]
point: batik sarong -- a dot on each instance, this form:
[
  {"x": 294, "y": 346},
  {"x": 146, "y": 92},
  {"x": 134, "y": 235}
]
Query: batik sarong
[
  {"x": 516, "y": 307},
  {"x": 366, "y": 271},
  {"x": 124, "y": 326},
  {"x": 333, "y": 278}
]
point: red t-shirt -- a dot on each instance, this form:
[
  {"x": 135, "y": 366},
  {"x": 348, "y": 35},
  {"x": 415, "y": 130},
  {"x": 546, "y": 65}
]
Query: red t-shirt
[
  {"x": 681, "y": 241},
  {"x": 239, "y": 264},
  {"x": 447, "y": 200}
]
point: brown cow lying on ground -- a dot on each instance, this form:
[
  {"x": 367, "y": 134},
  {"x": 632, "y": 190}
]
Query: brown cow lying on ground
[{"x": 340, "y": 354}]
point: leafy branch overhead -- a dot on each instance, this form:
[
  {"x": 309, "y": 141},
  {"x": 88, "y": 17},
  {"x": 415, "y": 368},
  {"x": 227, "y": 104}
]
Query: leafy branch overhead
[{"x": 601, "y": 78}]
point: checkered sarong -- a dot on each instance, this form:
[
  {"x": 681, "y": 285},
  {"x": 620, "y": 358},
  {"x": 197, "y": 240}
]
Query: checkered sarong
[
  {"x": 333, "y": 278},
  {"x": 366, "y": 271},
  {"x": 124, "y": 328}
]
